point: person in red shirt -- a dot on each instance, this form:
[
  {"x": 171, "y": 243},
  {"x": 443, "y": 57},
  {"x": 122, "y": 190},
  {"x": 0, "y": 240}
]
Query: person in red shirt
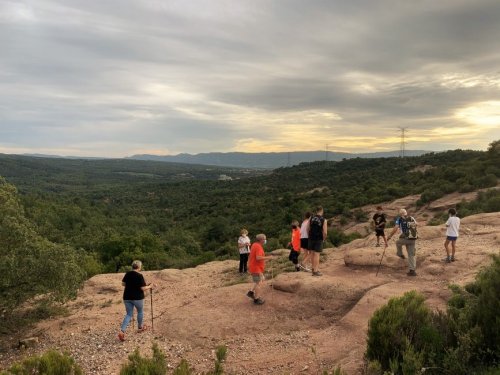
[
  {"x": 256, "y": 266},
  {"x": 295, "y": 245}
]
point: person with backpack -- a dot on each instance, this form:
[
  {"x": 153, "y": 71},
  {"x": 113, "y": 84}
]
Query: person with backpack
[
  {"x": 244, "y": 250},
  {"x": 379, "y": 220},
  {"x": 318, "y": 228},
  {"x": 408, "y": 237},
  {"x": 294, "y": 245},
  {"x": 304, "y": 241},
  {"x": 133, "y": 296},
  {"x": 452, "y": 228}
]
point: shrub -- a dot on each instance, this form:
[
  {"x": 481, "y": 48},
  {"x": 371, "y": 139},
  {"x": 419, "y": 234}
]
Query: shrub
[
  {"x": 50, "y": 363},
  {"x": 139, "y": 365},
  {"x": 402, "y": 322}
]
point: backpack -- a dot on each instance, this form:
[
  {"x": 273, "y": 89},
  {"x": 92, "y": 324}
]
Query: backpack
[
  {"x": 316, "y": 227},
  {"x": 411, "y": 232}
]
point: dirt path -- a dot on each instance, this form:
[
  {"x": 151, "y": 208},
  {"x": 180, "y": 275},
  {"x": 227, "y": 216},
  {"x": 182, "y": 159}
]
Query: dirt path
[{"x": 319, "y": 322}]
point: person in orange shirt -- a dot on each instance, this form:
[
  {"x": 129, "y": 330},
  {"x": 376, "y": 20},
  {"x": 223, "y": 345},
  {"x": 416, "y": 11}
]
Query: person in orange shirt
[
  {"x": 295, "y": 245},
  {"x": 256, "y": 266}
]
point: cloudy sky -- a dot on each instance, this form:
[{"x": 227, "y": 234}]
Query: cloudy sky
[{"x": 115, "y": 78}]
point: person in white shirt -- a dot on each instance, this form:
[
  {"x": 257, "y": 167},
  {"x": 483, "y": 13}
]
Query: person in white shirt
[
  {"x": 244, "y": 249},
  {"x": 304, "y": 241},
  {"x": 452, "y": 228}
]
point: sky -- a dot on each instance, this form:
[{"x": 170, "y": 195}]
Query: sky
[{"x": 123, "y": 77}]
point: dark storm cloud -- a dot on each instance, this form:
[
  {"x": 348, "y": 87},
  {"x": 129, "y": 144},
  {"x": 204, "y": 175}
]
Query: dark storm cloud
[{"x": 115, "y": 77}]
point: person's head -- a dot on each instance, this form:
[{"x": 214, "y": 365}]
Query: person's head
[
  {"x": 136, "y": 265},
  {"x": 403, "y": 213},
  {"x": 319, "y": 210},
  {"x": 452, "y": 212},
  {"x": 295, "y": 224},
  {"x": 244, "y": 232},
  {"x": 379, "y": 209},
  {"x": 307, "y": 215},
  {"x": 261, "y": 238}
]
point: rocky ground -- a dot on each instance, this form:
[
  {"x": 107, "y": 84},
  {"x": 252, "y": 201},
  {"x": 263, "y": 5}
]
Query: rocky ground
[{"x": 307, "y": 323}]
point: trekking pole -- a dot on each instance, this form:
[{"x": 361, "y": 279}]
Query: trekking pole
[
  {"x": 381, "y": 260},
  {"x": 152, "y": 317}
]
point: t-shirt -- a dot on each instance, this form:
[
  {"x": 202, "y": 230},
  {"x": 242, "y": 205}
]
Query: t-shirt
[
  {"x": 316, "y": 228},
  {"x": 254, "y": 265},
  {"x": 304, "y": 229},
  {"x": 379, "y": 220},
  {"x": 452, "y": 226},
  {"x": 133, "y": 282},
  {"x": 296, "y": 239},
  {"x": 244, "y": 240},
  {"x": 403, "y": 224}
]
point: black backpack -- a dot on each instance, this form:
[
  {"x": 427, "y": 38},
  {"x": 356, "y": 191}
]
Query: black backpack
[{"x": 316, "y": 227}]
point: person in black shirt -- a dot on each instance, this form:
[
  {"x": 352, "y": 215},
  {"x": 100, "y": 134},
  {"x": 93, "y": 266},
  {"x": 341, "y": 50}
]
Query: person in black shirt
[
  {"x": 380, "y": 220},
  {"x": 317, "y": 235},
  {"x": 133, "y": 296}
]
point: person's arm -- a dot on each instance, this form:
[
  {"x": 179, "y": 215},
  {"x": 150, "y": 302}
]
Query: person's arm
[
  {"x": 146, "y": 287},
  {"x": 394, "y": 230},
  {"x": 264, "y": 257},
  {"x": 325, "y": 229}
]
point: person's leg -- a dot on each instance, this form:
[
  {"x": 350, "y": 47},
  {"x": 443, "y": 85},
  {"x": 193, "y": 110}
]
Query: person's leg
[
  {"x": 129, "y": 308},
  {"x": 399, "y": 248},
  {"x": 378, "y": 238},
  {"x": 245, "y": 262},
  {"x": 240, "y": 269},
  {"x": 446, "y": 244},
  {"x": 453, "y": 248},
  {"x": 258, "y": 280},
  {"x": 139, "y": 305},
  {"x": 410, "y": 249}
]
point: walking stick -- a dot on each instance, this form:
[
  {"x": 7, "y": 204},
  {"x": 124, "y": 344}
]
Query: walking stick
[
  {"x": 152, "y": 317},
  {"x": 381, "y": 261}
]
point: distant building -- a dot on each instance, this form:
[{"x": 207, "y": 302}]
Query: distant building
[{"x": 225, "y": 177}]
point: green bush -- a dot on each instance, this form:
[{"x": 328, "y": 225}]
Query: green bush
[
  {"x": 404, "y": 336},
  {"x": 138, "y": 365},
  {"x": 50, "y": 363},
  {"x": 402, "y": 322}
]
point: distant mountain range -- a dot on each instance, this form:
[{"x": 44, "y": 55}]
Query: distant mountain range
[{"x": 267, "y": 159}]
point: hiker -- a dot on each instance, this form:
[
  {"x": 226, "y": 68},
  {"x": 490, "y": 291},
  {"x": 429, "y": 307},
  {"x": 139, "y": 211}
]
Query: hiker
[
  {"x": 317, "y": 235},
  {"x": 133, "y": 296},
  {"x": 452, "y": 228},
  {"x": 294, "y": 245},
  {"x": 408, "y": 227},
  {"x": 379, "y": 221},
  {"x": 256, "y": 265},
  {"x": 244, "y": 249},
  {"x": 304, "y": 241}
]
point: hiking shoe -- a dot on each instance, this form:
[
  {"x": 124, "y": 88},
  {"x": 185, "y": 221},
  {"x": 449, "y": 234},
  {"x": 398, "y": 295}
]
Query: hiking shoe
[
  {"x": 447, "y": 259},
  {"x": 142, "y": 329},
  {"x": 411, "y": 273},
  {"x": 250, "y": 294},
  {"x": 297, "y": 268},
  {"x": 317, "y": 273},
  {"x": 258, "y": 301},
  {"x": 121, "y": 336},
  {"x": 452, "y": 259},
  {"x": 401, "y": 256},
  {"x": 305, "y": 268}
]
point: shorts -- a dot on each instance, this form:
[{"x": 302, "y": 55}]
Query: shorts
[
  {"x": 304, "y": 243},
  {"x": 451, "y": 238},
  {"x": 316, "y": 245},
  {"x": 258, "y": 277},
  {"x": 379, "y": 232}
]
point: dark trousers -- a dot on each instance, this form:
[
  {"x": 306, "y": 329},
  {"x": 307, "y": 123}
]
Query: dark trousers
[
  {"x": 243, "y": 262},
  {"x": 294, "y": 257}
]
